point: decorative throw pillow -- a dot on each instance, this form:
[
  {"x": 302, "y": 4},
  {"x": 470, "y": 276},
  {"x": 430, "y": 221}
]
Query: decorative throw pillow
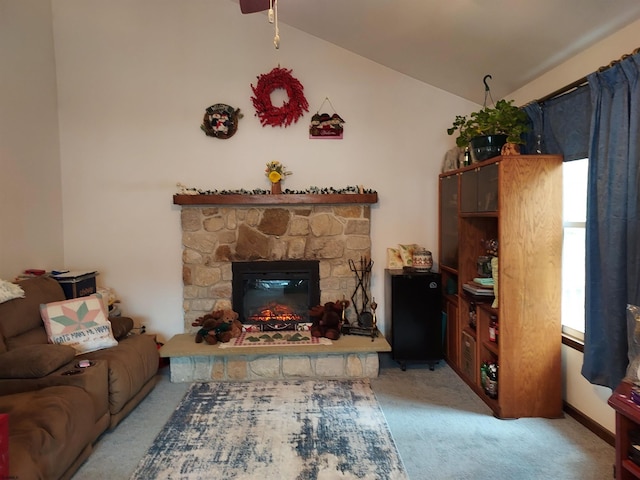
[
  {"x": 9, "y": 291},
  {"x": 80, "y": 323}
]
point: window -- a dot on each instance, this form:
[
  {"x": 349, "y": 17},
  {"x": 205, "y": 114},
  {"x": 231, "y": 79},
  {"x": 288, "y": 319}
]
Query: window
[{"x": 574, "y": 216}]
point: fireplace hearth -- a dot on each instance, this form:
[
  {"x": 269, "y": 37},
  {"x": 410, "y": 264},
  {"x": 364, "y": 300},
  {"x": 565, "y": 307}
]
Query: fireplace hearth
[{"x": 275, "y": 295}]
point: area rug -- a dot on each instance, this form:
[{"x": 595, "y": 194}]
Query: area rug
[
  {"x": 275, "y": 339},
  {"x": 275, "y": 430}
]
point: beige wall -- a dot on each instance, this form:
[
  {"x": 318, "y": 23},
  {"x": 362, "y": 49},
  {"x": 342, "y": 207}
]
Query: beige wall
[
  {"x": 134, "y": 79},
  {"x": 589, "y": 399},
  {"x": 30, "y": 189}
]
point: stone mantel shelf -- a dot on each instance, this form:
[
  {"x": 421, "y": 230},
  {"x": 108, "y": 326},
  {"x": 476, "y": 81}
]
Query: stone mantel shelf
[{"x": 279, "y": 199}]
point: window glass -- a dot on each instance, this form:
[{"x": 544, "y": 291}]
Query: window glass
[
  {"x": 573, "y": 246},
  {"x": 574, "y": 191}
]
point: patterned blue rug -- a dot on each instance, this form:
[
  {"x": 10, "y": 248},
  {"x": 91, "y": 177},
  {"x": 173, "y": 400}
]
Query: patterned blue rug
[{"x": 275, "y": 430}]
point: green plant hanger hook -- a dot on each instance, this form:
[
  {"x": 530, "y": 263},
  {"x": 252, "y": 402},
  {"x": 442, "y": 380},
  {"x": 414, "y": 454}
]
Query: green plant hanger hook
[{"x": 487, "y": 90}]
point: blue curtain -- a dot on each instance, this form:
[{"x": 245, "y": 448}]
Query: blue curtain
[
  {"x": 612, "y": 233},
  {"x": 561, "y": 124}
]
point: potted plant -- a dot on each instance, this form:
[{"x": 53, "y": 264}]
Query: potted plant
[{"x": 487, "y": 130}]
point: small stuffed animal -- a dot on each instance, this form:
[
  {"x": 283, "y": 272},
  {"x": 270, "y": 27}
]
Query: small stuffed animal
[
  {"x": 208, "y": 325},
  {"x": 218, "y": 326},
  {"x": 230, "y": 326},
  {"x": 326, "y": 320}
]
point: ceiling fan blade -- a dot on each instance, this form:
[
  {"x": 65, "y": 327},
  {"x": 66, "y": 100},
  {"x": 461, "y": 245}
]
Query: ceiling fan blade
[{"x": 252, "y": 6}]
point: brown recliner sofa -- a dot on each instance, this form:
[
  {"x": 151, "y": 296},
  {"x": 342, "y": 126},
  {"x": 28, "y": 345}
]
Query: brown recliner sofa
[{"x": 56, "y": 409}]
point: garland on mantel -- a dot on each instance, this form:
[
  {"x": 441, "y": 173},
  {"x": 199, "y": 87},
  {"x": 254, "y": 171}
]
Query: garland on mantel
[{"x": 184, "y": 190}]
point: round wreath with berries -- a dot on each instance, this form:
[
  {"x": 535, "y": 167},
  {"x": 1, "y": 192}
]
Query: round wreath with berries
[{"x": 291, "y": 110}]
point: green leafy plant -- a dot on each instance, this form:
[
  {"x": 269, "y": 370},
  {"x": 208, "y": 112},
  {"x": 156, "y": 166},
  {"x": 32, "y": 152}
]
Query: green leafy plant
[{"x": 503, "y": 119}]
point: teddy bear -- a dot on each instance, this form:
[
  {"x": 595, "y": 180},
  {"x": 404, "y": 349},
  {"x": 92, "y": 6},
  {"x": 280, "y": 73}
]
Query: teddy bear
[
  {"x": 218, "y": 326},
  {"x": 326, "y": 320},
  {"x": 230, "y": 326}
]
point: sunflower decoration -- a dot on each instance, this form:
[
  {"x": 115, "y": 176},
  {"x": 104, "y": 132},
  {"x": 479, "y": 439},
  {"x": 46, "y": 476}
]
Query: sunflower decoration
[{"x": 276, "y": 171}]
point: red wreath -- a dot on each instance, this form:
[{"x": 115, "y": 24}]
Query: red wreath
[{"x": 291, "y": 110}]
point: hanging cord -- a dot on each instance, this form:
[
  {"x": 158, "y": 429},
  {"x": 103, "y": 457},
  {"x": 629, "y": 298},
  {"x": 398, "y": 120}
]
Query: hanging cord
[
  {"x": 326, "y": 99},
  {"x": 276, "y": 38},
  {"x": 487, "y": 91}
]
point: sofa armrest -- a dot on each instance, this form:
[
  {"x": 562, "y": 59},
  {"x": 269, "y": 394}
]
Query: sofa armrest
[
  {"x": 121, "y": 326},
  {"x": 34, "y": 361},
  {"x": 93, "y": 379}
]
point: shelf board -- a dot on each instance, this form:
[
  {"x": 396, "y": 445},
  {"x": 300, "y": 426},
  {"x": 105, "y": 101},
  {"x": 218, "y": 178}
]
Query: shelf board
[
  {"x": 492, "y": 347},
  {"x": 631, "y": 467},
  {"x": 470, "y": 331},
  {"x": 445, "y": 268},
  {"x": 278, "y": 199},
  {"x": 478, "y": 214}
]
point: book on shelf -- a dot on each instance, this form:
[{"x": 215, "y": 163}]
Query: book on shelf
[
  {"x": 484, "y": 281},
  {"x": 478, "y": 290}
]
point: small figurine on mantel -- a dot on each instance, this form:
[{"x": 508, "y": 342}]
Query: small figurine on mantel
[{"x": 184, "y": 190}]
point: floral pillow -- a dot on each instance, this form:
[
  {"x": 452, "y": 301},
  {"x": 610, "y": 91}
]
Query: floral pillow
[{"x": 80, "y": 323}]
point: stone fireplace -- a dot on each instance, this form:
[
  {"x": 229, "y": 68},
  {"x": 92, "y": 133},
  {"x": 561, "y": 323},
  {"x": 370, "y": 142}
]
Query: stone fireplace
[
  {"x": 219, "y": 231},
  {"x": 216, "y": 235}
]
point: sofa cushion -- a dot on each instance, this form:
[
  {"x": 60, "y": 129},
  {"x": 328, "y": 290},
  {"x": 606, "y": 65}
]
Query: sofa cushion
[
  {"x": 78, "y": 322},
  {"x": 132, "y": 363},
  {"x": 35, "y": 361},
  {"x": 48, "y": 430},
  {"x": 20, "y": 321},
  {"x": 121, "y": 326}
]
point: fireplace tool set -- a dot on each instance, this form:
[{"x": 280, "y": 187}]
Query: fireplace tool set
[{"x": 366, "y": 314}]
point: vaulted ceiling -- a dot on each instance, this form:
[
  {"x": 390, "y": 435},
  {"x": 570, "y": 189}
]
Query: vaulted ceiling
[{"x": 453, "y": 44}]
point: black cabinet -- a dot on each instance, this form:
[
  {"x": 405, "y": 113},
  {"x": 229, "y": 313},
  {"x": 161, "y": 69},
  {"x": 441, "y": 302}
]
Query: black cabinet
[{"x": 413, "y": 306}]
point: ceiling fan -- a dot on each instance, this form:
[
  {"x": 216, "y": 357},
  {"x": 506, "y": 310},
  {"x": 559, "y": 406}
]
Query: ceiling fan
[{"x": 252, "y": 6}]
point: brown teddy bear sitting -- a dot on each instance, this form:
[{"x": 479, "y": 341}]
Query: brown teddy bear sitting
[
  {"x": 326, "y": 320},
  {"x": 218, "y": 326},
  {"x": 230, "y": 327}
]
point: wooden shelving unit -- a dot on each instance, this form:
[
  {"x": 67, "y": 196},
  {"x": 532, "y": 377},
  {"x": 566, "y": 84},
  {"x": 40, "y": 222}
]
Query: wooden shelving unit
[{"x": 518, "y": 201}]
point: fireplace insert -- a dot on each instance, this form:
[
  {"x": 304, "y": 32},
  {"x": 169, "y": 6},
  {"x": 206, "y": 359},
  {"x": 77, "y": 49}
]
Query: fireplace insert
[{"x": 275, "y": 295}]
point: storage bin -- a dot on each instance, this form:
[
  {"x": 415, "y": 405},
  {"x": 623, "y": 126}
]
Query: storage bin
[{"x": 77, "y": 284}]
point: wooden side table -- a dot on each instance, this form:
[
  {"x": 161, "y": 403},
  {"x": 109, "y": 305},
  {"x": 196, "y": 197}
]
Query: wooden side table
[{"x": 627, "y": 421}]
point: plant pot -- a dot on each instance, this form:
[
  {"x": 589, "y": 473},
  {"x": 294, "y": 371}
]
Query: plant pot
[{"x": 486, "y": 146}]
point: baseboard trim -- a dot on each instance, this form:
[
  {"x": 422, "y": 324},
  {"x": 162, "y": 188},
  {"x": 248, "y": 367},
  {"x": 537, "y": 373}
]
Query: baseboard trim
[{"x": 587, "y": 422}]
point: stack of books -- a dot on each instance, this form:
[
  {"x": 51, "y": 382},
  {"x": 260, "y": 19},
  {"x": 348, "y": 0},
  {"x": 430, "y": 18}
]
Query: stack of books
[{"x": 481, "y": 287}]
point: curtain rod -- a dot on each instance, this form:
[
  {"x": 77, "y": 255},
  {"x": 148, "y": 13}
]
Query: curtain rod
[{"x": 583, "y": 80}]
